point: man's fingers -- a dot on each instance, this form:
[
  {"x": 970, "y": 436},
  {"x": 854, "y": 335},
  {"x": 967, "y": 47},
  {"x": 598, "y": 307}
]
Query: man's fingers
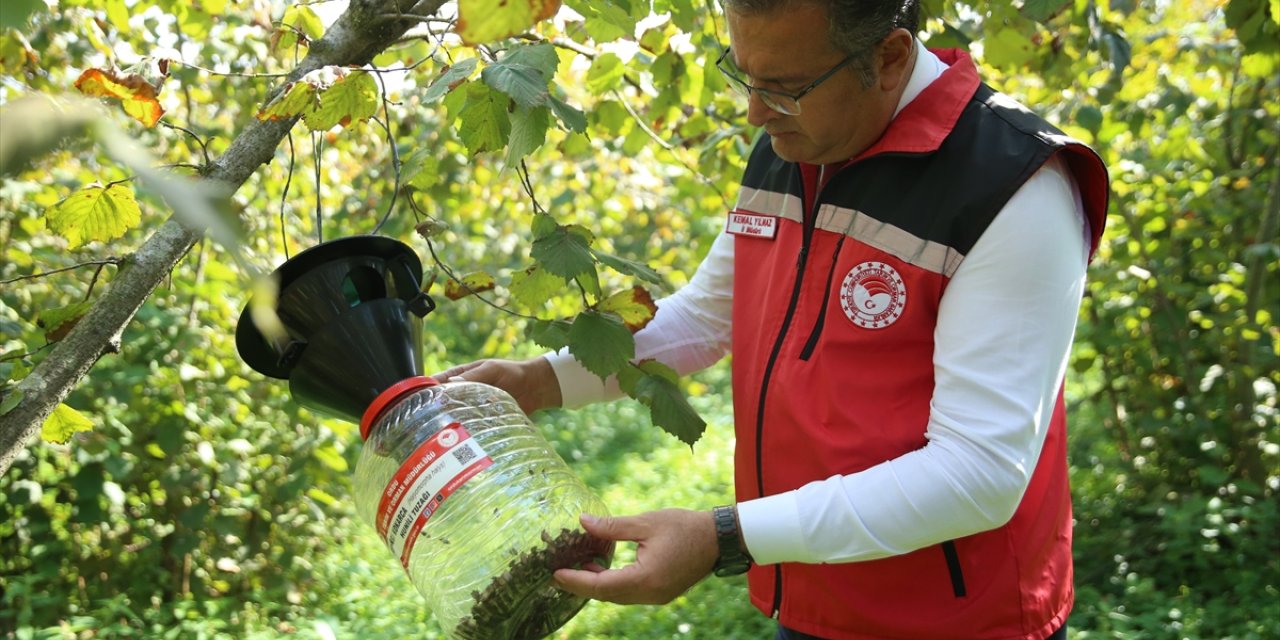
[
  {"x": 612, "y": 528},
  {"x": 454, "y": 372},
  {"x": 615, "y": 585}
]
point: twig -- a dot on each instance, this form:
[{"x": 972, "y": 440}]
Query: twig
[
  {"x": 317, "y": 150},
  {"x": 115, "y": 261},
  {"x": 229, "y": 73},
  {"x": 94, "y": 281},
  {"x": 204, "y": 149},
  {"x": 527, "y": 183},
  {"x": 395, "y": 153},
  {"x": 435, "y": 258},
  {"x": 288, "y": 180}
]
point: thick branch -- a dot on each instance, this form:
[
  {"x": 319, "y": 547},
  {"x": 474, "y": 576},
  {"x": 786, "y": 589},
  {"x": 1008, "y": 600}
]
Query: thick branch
[{"x": 360, "y": 33}]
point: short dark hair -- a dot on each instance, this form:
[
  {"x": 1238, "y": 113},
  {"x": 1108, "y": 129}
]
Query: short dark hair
[{"x": 856, "y": 26}]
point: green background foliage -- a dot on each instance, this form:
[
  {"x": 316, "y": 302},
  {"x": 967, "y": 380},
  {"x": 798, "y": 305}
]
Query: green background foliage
[{"x": 591, "y": 155}]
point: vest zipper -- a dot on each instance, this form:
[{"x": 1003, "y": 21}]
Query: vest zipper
[
  {"x": 801, "y": 260},
  {"x": 812, "y": 342},
  {"x": 954, "y": 568}
]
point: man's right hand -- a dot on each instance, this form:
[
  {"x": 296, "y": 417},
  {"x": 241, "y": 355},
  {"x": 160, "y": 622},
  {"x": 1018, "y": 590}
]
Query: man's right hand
[{"x": 531, "y": 382}]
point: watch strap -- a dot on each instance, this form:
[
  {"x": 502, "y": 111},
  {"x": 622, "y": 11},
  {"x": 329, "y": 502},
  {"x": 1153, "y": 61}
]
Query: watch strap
[{"x": 733, "y": 560}]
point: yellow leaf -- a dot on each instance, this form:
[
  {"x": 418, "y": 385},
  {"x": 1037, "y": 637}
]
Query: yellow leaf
[
  {"x": 635, "y": 306},
  {"x": 295, "y": 100},
  {"x": 137, "y": 96},
  {"x": 95, "y": 213},
  {"x": 352, "y": 96},
  {"x": 471, "y": 284},
  {"x": 62, "y": 423},
  {"x": 483, "y": 21}
]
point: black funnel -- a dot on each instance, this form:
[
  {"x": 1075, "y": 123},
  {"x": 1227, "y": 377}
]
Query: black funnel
[{"x": 352, "y": 310}]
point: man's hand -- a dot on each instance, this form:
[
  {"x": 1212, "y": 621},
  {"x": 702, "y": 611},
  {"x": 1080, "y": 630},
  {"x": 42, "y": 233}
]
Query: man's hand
[
  {"x": 531, "y": 382},
  {"x": 675, "y": 549}
]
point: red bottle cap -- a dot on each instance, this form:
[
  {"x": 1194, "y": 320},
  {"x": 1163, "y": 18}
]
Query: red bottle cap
[{"x": 390, "y": 395}]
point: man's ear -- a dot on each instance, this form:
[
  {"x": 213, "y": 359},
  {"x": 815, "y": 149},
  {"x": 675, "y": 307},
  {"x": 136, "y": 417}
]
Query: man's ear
[{"x": 895, "y": 59}]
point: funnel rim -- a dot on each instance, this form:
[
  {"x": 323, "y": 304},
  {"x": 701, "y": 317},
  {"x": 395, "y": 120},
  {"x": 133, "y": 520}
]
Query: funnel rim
[{"x": 252, "y": 345}]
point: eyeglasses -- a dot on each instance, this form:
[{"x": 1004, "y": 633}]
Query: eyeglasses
[{"x": 780, "y": 101}]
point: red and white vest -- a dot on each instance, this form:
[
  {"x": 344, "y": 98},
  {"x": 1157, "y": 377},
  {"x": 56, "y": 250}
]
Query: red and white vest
[{"x": 823, "y": 390}]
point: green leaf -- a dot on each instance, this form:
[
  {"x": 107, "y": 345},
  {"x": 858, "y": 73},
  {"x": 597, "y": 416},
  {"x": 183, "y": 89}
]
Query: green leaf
[
  {"x": 329, "y": 457},
  {"x": 10, "y": 401},
  {"x": 565, "y": 252},
  {"x": 95, "y": 213},
  {"x": 630, "y": 268},
  {"x": 606, "y": 20},
  {"x": 541, "y": 56},
  {"x": 634, "y": 306},
  {"x": 483, "y": 21},
  {"x": 63, "y": 423},
  {"x": 550, "y": 334},
  {"x": 1089, "y": 117},
  {"x": 1008, "y": 48},
  {"x": 118, "y": 15},
  {"x": 299, "y": 25},
  {"x": 320, "y": 495},
  {"x": 17, "y": 12},
  {"x": 1043, "y": 10},
  {"x": 654, "y": 385},
  {"x": 526, "y": 85},
  {"x": 543, "y": 226},
  {"x": 353, "y": 96},
  {"x": 1119, "y": 51},
  {"x": 58, "y": 321},
  {"x": 485, "y": 124},
  {"x": 571, "y": 117},
  {"x": 605, "y": 73},
  {"x": 450, "y": 79},
  {"x": 535, "y": 285},
  {"x": 421, "y": 169},
  {"x": 528, "y": 132},
  {"x": 601, "y": 343}
]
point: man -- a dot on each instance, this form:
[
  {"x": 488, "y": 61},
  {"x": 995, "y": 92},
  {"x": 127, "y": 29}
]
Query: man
[{"x": 907, "y": 257}]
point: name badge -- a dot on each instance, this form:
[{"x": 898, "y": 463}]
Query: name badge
[{"x": 741, "y": 223}]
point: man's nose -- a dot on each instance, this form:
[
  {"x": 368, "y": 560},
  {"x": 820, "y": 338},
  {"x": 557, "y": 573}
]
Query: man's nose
[{"x": 758, "y": 113}]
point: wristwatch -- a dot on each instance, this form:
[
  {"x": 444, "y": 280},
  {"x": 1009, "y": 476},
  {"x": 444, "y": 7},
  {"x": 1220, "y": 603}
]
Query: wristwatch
[{"x": 733, "y": 560}]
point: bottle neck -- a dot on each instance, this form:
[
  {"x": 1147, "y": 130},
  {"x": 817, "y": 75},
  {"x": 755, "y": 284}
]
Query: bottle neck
[{"x": 388, "y": 397}]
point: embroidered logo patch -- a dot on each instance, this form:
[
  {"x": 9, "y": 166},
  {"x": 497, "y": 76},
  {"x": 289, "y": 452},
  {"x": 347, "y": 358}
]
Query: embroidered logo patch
[{"x": 873, "y": 295}]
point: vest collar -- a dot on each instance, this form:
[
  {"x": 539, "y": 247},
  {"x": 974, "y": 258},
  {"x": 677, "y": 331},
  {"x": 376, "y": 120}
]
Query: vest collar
[{"x": 922, "y": 125}]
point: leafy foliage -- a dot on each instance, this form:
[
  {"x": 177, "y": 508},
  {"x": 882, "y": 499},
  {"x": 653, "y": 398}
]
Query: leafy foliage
[{"x": 203, "y": 503}]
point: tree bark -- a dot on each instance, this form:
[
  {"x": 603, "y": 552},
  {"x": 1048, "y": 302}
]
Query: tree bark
[{"x": 364, "y": 30}]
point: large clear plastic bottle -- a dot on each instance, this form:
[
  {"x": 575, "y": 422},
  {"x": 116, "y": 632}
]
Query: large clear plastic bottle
[{"x": 477, "y": 506}]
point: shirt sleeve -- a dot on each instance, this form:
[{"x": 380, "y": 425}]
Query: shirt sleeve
[
  {"x": 1004, "y": 333},
  {"x": 689, "y": 332}
]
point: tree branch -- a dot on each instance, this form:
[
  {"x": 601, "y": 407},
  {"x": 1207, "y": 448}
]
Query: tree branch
[{"x": 359, "y": 34}]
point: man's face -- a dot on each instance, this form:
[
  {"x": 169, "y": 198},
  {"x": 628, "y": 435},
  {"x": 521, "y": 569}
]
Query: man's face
[{"x": 784, "y": 51}]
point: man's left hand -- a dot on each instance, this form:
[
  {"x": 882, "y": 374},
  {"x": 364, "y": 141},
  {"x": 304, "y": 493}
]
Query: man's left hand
[{"x": 675, "y": 548}]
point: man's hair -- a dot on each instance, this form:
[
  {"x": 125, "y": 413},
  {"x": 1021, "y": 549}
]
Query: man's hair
[{"x": 856, "y": 26}]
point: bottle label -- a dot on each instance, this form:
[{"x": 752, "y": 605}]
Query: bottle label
[{"x": 434, "y": 471}]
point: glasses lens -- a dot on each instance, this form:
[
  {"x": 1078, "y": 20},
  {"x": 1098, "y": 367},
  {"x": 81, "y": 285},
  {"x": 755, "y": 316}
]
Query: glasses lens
[
  {"x": 781, "y": 103},
  {"x": 786, "y": 105}
]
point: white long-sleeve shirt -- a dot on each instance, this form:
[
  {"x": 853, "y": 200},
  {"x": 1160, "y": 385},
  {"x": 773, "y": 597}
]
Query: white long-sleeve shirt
[{"x": 1001, "y": 346}]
